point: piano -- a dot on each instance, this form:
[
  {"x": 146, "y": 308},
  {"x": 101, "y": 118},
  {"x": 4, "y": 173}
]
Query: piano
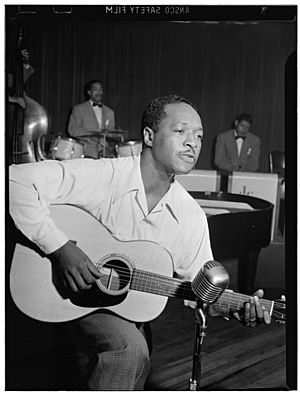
[{"x": 240, "y": 226}]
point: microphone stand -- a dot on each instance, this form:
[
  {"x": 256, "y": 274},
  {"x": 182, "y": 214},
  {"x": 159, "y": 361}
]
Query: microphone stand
[
  {"x": 200, "y": 333},
  {"x": 207, "y": 285}
]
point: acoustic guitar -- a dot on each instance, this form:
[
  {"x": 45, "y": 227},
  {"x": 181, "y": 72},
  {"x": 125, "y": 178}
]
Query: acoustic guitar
[{"x": 136, "y": 276}]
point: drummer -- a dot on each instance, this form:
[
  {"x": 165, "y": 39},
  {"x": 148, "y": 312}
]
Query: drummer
[{"x": 89, "y": 119}]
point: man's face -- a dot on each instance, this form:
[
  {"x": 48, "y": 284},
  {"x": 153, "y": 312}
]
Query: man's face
[
  {"x": 242, "y": 127},
  {"x": 177, "y": 143},
  {"x": 96, "y": 92}
]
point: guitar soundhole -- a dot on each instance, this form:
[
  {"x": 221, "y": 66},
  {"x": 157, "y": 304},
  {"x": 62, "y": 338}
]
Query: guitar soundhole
[{"x": 116, "y": 272}]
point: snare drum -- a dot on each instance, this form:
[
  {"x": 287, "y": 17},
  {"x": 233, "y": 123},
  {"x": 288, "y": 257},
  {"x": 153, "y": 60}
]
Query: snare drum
[
  {"x": 66, "y": 148},
  {"x": 129, "y": 148}
]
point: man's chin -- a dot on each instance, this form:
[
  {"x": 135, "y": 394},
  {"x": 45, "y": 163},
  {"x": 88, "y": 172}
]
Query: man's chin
[{"x": 184, "y": 170}]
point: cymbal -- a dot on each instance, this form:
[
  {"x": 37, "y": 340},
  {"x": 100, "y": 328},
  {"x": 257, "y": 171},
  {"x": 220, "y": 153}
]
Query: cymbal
[
  {"x": 104, "y": 132},
  {"x": 93, "y": 134}
]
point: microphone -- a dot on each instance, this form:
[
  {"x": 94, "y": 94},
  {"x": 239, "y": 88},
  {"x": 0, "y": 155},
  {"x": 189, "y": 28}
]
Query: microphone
[{"x": 210, "y": 281}]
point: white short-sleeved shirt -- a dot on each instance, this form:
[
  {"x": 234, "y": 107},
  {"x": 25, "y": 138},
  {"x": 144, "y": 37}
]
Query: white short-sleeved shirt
[{"x": 112, "y": 190}]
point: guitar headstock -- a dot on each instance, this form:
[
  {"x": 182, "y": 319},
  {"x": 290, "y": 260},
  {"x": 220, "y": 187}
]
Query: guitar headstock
[{"x": 279, "y": 310}]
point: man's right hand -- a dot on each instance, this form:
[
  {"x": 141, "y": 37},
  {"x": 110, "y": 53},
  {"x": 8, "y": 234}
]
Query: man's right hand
[{"x": 76, "y": 270}]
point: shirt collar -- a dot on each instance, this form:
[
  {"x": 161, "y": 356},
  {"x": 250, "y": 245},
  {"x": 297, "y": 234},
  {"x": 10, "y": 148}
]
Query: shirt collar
[
  {"x": 235, "y": 135},
  {"x": 170, "y": 202},
  {"x": 131, "y": 180}
]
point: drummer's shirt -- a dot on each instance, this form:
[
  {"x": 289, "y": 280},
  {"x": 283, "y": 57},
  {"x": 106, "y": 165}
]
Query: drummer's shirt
[
  {"x": 111, "y": 190},
  {"x": 98, "y": 112},
  {"x": 239, "y": 143}
]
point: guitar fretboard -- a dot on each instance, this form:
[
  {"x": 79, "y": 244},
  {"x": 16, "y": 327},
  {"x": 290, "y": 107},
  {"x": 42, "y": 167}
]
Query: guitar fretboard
[
  {"x": 161, "y": 285},
  {"x": 175, "y": 288}
]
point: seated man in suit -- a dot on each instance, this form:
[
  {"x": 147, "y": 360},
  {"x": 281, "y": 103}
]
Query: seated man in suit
[
  {"x": 91, "y": 117},
  {"x": 238, "y": 149}
]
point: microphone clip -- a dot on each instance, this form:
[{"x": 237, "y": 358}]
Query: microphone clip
[{"x": 201, "y": 312}]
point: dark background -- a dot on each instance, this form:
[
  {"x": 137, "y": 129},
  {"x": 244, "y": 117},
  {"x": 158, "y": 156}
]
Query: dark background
[{"x": 232, "y": 62}]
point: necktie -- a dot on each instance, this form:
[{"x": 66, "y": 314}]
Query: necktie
[
  {"x": 97, "y": 104},
  {"x": 240, "y": 137}
]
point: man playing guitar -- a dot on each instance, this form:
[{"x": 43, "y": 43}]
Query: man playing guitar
[{"x": 135, "y": 198}]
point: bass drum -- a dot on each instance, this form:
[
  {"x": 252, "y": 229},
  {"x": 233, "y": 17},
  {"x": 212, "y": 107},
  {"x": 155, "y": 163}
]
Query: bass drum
[
  {"x": 129, "y": 148},
  {"x": 66, "y": 148}
]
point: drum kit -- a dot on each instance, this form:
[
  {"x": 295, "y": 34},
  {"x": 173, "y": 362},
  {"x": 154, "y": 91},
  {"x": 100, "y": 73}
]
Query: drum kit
[
  {"x": 64, "y": 148},
  {"x": 129, "y": 148}
]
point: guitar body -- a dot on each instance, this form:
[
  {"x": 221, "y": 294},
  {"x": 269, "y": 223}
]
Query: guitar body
[{"x": 36, "y": 291}]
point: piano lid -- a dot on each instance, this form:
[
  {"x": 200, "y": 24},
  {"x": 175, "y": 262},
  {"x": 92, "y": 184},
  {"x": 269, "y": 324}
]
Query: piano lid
[
  {"x": 244, "y": 222},
  {"x": 230, "y": 200}
]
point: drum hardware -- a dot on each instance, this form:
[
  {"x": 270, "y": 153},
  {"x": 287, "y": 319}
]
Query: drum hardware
[{"x": 107, "y": 138}]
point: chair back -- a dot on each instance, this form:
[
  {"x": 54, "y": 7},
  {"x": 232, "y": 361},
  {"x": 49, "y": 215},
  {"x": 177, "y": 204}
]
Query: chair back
[{"x": 277, "y": 162}]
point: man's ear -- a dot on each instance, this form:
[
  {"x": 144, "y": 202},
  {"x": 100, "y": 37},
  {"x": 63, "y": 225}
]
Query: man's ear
[
  {"x": 148, "y": 136},
  {"x": 236, "y": 122}
]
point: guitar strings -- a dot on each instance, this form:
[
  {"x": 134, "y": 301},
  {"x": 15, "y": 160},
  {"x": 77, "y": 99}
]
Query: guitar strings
[
  {"x": 138, "y": 275},
  {"x": 141, "y": 278},
  {"x": 149, "y": 280},
  {"x": 230, "y": 301},
  {"x": 163, "y": 286}
]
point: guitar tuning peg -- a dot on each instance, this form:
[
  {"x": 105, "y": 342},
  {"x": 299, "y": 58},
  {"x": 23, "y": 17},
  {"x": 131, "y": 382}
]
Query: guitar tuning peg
[{"x": 280, "y": 321}]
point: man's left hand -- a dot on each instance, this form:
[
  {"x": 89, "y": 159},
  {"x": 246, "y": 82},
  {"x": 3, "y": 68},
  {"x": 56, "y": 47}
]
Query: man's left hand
[
  {"x": 254, "y": 312},
  {"x": 251, "y": 315}
]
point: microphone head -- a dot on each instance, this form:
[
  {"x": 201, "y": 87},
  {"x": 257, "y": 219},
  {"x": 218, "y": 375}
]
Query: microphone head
[{"x": 210, "y": 281}]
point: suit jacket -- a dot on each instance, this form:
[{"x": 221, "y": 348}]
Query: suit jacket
[
  {"x": 226, "y": 155},
  {"x": 83, "y": 121}
]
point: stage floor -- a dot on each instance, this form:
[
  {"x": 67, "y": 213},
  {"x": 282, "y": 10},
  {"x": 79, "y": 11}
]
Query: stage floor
[{"x": 233, "y": 357}]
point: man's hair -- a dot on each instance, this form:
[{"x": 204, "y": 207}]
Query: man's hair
[
  {"x": 244, "y": 117},
  {"x": 154, "y": 111}
]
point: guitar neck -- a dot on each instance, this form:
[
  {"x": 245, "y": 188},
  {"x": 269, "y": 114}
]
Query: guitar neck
[
  {"x": 233, "y": 301},
  {"x": 175, "y": 288},
  {"x": 161, "y": 285}
]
